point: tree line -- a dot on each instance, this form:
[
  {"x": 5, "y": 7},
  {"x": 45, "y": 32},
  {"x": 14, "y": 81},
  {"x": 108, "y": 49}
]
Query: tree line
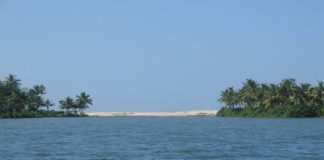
[
  {"x": 16, "y": 101},
  {"x": 286, "y": 99}
]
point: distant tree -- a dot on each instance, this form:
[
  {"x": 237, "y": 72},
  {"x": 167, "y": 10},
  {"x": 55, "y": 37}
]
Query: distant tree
[
  {"x": 318, "y": 96},
  {"x": 48, "y": 103},
  {"x": 67, "y": 104},
  {"x": 38, "y": 90},
  {"x": 285, "y": 98},
  {"x": 36, "y": 97},
  {"x": 286, "y": 91},
  {"x": 2, "y": 90},
  {"x": 83, "y": 101},
  {"x": 18, "y": 102},
  {"x": 13, "y": 99},
  {"x": 15, "y": 102},
  {"x": 248, "y": 93},
  {"x": 12, "y": 83},
  {"x": 229, "y": 97}
]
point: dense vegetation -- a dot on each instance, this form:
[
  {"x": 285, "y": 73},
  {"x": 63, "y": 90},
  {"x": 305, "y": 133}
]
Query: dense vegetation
[
  {"x": 17, "y": 102},
  {"x": 286, "y": 99}
]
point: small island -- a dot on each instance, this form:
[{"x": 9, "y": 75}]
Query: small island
[
  {"x": 286, "y": 99},
  {"x": 17, "y": 102},
  {"x": 253, "y": 99}
]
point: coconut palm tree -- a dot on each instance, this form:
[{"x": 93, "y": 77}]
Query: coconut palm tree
[
  {"x": 38, "y": 102},
  {"x": 12, "y": 98},
  {"x": 318, "y": 96},
  {"x": 83, "y": 101},
  {"x": 1, "y": 95},
  {"x": 306, "y": 89},
  {"x": 38, "y": 90},
  {"x": 12, "y": 82},
  {"x": 301, "y": 96},
  {"x": 15, "y": 102},
  {"x": 248, "y": 93},
  {"x": 286, "y": 90},
  {"x": 48, "y": 103},
  {"x": 261, "y": 95},
  {"x": 36, "y": 99},
  {"x": 229, "y": 97},
  {"x": 67, "y": 104}
]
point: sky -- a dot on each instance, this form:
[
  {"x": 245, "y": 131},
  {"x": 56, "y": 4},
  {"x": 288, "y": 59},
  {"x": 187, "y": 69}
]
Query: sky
[{"x": 169, "y": 55}]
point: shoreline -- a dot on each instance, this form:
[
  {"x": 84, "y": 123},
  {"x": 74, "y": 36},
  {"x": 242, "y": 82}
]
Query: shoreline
[{"x": 154, "y": 114}]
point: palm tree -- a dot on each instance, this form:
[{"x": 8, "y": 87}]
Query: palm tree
[
  {"x": 306, "y": 89},
  {"x": 271, "y": 96},
  {"x": 12, "y": 98},
  {"x": 38, "y": 90},
  {"x": 15, "y": 102},
  {"x": 1, "y": 95},
  {"x": 318, "y": 96},
  {"x": 67, "y": 104},
  {"x": 48, "y": 103},
  {"x": 248, "y": 93},
  {"x": 12, "y": 82},
  {"x": 300, "y": 94},
  {"x": 286, "y": 90},
  {"x": 228, "y": 97},
  {"x": 83, "y": 101},
  {"x": 38, "y": 102},
  {"x": 299, "y": 99},
  {"x": 261, "y": 95},
  {"x": 36, "y": 97}
]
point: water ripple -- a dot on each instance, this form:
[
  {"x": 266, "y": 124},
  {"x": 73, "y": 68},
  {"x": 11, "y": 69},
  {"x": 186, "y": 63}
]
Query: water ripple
[{"x": 161, "y": 138}]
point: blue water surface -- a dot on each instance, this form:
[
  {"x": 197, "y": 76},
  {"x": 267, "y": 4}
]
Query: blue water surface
[{"x": 97, "y": 138}]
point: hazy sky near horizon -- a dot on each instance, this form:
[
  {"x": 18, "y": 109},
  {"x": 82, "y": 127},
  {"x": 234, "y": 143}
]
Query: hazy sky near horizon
[{"x": 159, "y": 55}]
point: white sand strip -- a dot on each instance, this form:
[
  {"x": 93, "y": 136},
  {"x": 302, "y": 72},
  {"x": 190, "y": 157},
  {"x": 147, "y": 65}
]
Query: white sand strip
[{"x": 154, "y": 114}]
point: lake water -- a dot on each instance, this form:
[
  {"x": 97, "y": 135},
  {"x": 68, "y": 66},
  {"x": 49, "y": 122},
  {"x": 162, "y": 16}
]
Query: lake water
[{"x": 161, "y": 138}]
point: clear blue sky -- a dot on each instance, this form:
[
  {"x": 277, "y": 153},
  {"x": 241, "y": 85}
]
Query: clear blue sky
[{"x": 159, "y": 55}]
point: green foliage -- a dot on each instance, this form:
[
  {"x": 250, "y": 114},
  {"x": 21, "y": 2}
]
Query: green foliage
[
  {"x": 229, "y": 112},
  {"x": 26, "y": 103},
  {"x": 38, "y": 114},
  {"x": 286, "y": 99},
  {"x": 76, "y": 107},
  {"x": 273, "y": 112}
]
